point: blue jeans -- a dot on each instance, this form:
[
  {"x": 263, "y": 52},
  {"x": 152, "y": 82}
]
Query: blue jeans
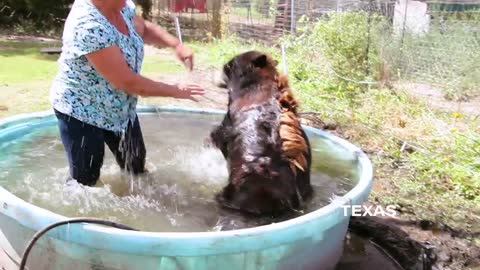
[{"x": 85, "y": 148}]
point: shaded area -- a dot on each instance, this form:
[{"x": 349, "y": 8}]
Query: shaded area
[
  {"x": 419, "y": 244},
  {"x": 32, "y": 48},
  {"x": 361, "y": 254}
]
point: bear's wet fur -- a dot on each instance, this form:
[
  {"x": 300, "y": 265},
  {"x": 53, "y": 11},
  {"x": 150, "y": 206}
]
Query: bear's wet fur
[{"x": 267, "y": 151}]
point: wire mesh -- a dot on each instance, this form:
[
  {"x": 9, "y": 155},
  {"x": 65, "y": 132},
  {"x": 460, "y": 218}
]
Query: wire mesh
[
  {"x": 428, "y": 48},
  {"x": 427, "y": 42}
]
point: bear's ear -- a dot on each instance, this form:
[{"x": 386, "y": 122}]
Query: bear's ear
[
  {"x": 261, "y": 61},
  {"x": 275, "y": 63}
]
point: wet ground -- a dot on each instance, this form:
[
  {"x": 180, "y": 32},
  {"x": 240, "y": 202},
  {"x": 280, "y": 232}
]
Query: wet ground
[{"x": 362, "y": 254}]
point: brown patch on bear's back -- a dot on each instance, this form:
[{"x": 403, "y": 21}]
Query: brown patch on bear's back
[{"x": 294, "y": 146}]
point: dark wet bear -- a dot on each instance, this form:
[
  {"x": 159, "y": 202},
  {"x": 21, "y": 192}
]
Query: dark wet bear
[{"x": 267, "y": 151}]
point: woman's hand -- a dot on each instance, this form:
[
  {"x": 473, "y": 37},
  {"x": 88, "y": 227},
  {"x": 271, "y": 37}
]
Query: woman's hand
[
  {"x": 157, "y": 36},
  {"x": 111, "y": 64},
  {"x": 189, "y": 91},
  {"x": 185, "y": 55}
]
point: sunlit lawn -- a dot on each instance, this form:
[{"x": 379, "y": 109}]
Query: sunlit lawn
[{"x": 26, "y": 74}]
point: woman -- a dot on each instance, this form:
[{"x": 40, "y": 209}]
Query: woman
[{"x": 94, "y": 94}]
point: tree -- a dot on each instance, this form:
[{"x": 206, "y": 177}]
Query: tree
[
  {"x": 146, "y": 6},
  {"x": 42, "y": 13}
]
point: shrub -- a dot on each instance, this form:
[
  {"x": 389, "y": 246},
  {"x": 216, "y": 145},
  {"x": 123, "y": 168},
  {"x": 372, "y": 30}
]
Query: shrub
[
  {"x": 40, "y": 13},
  {"x": 350, "y": 41}
]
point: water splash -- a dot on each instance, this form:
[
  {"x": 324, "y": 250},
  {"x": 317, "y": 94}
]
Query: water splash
[{"x": 175, "y": 195}]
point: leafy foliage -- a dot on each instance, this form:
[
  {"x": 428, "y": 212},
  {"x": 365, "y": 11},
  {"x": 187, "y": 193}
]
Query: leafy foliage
[{"x": 41, "y": 13}]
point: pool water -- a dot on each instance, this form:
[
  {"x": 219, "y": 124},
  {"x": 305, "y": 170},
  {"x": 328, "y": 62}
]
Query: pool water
[{"x": 177, "y": 193}]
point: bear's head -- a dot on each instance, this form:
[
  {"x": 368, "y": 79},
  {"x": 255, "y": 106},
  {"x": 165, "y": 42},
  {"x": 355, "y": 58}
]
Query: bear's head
[{"x": 247, "y": 69}]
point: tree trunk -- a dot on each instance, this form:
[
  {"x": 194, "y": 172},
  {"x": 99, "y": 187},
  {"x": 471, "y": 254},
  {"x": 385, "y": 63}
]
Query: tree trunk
[{"x": 216, "y": 25}]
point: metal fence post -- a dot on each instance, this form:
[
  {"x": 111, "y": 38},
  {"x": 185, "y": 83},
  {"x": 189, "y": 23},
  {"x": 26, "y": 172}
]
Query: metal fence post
[
  {"x": 404, "y": 23},
  {"x": 292, "y": 16},
  {"x": 403, "y": 30},
  {"x": 369, "y": 26},
  {"x": 177, "y": 27}
]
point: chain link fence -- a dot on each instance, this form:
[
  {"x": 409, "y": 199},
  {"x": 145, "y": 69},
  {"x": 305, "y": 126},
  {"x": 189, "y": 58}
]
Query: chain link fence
[
  {"x": 439, "y": 47},
  {"x": 428, "y": 48},
  {"x": 425, "y": 49},
  {"x": 430, "y": 45}
]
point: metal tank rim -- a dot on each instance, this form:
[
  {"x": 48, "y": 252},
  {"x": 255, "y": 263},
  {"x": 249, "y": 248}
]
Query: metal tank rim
[{"x": 138, "y": 242}]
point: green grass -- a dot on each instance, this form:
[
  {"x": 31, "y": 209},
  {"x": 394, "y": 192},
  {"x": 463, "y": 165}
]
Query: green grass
[
  {"x": 166, "y": 65},
  {"x": 26, "y": 74},
  {"x": 21, "y": 62},
  {"x": 438, "y": 180},
  {"x": 243, "y": 11},
  {"x": 25, "y": 97},
  {"x": 452, "y": 63},
  {"x": 217, "y": 53}
]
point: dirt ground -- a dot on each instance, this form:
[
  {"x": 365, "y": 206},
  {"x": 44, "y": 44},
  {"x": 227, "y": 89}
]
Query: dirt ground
[
  {"x": 435, "y": 98},
  {"x": 415, "y": 244},
  {"x": 419, "y": 244}
]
